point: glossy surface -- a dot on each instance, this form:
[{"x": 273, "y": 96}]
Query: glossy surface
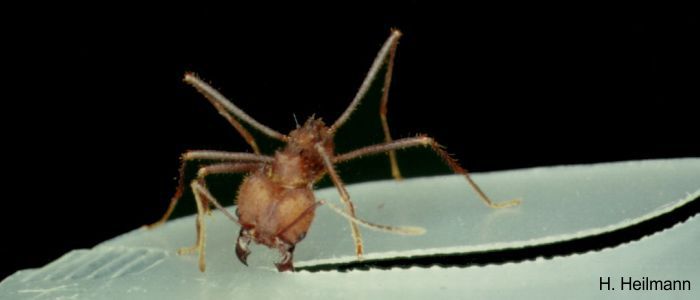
[{"x": 559, "y": 204}]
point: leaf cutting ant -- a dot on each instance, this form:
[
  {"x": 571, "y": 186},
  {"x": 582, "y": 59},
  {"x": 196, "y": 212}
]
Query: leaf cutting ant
[{"x": 275, "y": 202}]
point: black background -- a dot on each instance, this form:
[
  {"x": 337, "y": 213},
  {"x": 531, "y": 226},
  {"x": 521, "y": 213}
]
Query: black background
[{"x": 95, "y": 113}]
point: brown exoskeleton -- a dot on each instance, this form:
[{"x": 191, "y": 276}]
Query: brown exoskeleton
[{"x": 275, "y": 202}]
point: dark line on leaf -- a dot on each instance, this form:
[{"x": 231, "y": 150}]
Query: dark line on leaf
[{"x": 580, "y": 245}]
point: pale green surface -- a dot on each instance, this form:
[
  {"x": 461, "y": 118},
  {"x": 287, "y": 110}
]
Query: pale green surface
[{"x": 560, "y": 203}]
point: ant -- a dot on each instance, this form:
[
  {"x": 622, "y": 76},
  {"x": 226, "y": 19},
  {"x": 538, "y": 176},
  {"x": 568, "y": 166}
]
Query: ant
[{"x": 275, "y": 202}]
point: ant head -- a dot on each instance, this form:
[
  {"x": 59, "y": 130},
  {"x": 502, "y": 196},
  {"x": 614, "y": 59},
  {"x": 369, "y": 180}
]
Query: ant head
[{"x": 313, "y": 131}]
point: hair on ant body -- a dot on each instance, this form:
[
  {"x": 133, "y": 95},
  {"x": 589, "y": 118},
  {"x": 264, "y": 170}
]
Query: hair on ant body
[{"x": 275, "y": 202}]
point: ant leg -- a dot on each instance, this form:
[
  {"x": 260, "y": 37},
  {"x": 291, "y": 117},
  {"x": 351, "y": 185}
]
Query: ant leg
[
  {"x": 287, "y": 249},
  {"x": 425, "y": 141},
  {"x": 219, "y": 101},
  {"x": 201, "y": 230},
  {"x": 203, "y": 197},
  {"x": 223, "y": 168},
  {"x": 395, "y": 172},
  {"x": 307, "y": 211},
  {"x": 344, "y": 196},
  {"x": 388, "y": 47},
  {"x": 403, "y": 230},
  {"x": 237, "y": 125},
  {"x": 227, "y": 168},
  {"x": 204, "y": 155}
]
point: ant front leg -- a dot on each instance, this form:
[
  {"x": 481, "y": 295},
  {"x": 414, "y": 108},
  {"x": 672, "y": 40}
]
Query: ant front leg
[
  {"x": 204, "y": 155},
  {"x": 203, "y": 198},
  {"x": 430, "y": 142},
  {"x": 345, "y": 197},
  {"x": 386, "y": 55},
  {"x": 199, "y": 192},
  {"x": 224, "y": 106}
]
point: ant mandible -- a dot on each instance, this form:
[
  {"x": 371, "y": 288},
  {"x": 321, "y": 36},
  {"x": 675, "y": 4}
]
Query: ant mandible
[{"x": 275, "y": 202}]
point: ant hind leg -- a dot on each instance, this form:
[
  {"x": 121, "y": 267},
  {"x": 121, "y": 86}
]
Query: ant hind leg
[
  {"x": 439, "y": 150},
  {"x": 395, "y": 172}
]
